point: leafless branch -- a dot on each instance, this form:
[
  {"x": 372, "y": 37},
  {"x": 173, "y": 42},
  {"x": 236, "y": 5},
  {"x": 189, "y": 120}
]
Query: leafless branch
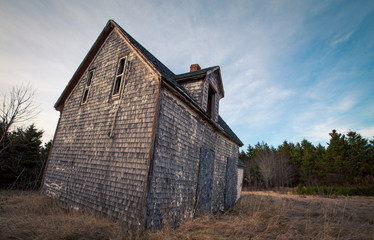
[
  {"x": 275, "y": 168},
  {"x": 17, "y": 107},
  {"x": 266, "y": 162}
]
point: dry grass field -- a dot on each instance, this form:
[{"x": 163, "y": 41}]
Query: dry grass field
[{"x": 258, "y": 215}]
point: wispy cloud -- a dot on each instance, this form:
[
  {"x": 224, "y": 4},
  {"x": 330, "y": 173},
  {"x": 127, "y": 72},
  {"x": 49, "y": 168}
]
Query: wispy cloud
[
  {"x": 342, "y": 39},
  {"x": 291, "y": 69},
  {"x": 367, "y": 132},
  {"x": 254, "y": 101}
]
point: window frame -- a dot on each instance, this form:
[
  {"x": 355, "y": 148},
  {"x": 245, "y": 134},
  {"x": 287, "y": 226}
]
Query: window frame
[
  {"x": 116, "y": 89},
  {"x": 210, "y": 110},
  {"x": 87, "y": 86}
]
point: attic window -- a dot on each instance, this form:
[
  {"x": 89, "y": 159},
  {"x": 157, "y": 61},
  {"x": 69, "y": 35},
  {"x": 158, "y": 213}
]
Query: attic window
[
  {"x": 211, "y": 102},
  {"x": 118, "y": 82},
  {"x": 86, "y": 89}
]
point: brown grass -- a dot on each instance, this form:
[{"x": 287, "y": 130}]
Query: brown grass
[
  {"x": 29, "y": 215},
  {"x": 258, "y": 215}
]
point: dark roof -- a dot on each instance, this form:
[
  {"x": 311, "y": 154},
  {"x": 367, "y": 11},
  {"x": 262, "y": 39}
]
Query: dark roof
[
  {"x": 161, "y": 68},
  {"x": 228, "y": 130},
  {"x": 165, "y": 72},
  {"x": 194, "y": 73},
  {"x": 241, "y": 164}
]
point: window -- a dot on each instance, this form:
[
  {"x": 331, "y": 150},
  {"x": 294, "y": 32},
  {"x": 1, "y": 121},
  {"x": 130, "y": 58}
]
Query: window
[
  {"x": 211, "y": 102},
  {"x": 119, "y": 77},
  {"x": 86, "y": 89}
]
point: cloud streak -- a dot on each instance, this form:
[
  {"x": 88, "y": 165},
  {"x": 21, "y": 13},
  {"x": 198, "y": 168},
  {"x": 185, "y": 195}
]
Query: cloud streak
[{"x": 291, "y": 69}]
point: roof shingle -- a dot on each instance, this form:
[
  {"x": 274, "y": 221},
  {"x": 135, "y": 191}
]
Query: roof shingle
[{"x": 194, "y": 73}]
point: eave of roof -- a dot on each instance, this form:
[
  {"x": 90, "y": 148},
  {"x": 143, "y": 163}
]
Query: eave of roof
[
  {"x": 159, "y": 66},
  {"x": 228, "y": 130},
  {"x": 241, "y": 164},
  {"x": 165, "y": 72},
  {"x": 59, "y": 105},
  {"x": 194, "y": 73}
]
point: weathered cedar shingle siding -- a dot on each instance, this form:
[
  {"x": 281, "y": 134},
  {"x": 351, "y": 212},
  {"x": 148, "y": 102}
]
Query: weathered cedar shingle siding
[
  {"x": 165, "y": 152},
  {"x": 181, "y": 135},
  {"x": 195, "y": 89},
  {"x": 86, "y": 168}
]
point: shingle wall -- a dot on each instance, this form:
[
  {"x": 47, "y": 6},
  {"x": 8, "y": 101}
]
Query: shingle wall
[
  {"x": 173, "y": 182},
  {"x": 195, "y": 89},
  {"x": 88, "y": 169}
]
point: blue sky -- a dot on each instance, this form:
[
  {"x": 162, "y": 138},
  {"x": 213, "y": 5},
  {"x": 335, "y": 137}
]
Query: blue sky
[{"x": 291, "y": 70}]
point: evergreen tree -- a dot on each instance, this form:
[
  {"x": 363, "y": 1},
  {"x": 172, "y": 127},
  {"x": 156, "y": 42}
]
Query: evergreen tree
[
  {"x": 22, "y": 165},
  {"x": 357, "y": 153},
  {"x": 335, "y": 158},
  {"x": 348, "y": 159}
]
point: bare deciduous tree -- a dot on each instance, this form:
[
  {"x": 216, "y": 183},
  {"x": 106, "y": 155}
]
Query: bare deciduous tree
[
  {"x": 17, "y": 106},
  {"x": 274, "y": 168},
  {"x": 284, "y": 170},
  {"x": 266, "y": 162}
]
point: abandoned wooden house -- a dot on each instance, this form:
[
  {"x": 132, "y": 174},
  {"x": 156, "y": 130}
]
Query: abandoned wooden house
[{"x": 137, "y": 142}]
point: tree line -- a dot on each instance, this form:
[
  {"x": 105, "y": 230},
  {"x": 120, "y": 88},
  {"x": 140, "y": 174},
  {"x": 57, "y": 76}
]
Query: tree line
[
  {"x": 348, "y": 160},
  {"x": 22, "y": 155}
]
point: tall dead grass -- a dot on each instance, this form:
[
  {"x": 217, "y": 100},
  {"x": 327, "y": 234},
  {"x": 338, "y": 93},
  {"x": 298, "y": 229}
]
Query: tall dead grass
[
  {"x": 29, "y": 215},
  {"x": 267, "y": 215},
  {"x": 258, "y": 215}
]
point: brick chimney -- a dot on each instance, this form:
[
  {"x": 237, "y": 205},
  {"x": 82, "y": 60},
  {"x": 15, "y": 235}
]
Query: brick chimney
[{"x": 194, "y": 67}]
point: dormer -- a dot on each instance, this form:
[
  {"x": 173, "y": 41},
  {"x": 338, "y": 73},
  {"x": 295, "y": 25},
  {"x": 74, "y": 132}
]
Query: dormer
[{"x": 205, "y": 87}]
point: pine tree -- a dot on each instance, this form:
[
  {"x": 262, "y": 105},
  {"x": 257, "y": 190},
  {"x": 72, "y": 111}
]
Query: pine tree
[{"x": 21, "y": 167}]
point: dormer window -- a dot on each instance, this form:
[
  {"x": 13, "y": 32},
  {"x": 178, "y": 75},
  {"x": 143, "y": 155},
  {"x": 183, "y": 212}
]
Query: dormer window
[
  {"x": 204, "y": 87},
  {"x": 211, "y": 102},
  {"x": 86, "y": 90},
  {"x": 118, "y": 82}
]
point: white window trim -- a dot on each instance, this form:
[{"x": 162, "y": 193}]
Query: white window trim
[{"x": 87, "y": 86}]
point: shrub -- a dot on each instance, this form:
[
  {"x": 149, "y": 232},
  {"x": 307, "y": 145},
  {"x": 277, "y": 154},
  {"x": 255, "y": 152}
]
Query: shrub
[{"x": 338, "y": 190}]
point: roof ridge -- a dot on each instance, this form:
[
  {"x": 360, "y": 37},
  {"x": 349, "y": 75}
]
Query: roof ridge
[
  {"x": 162, "y": 68},
  {"x": 181, "y": 75}
]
